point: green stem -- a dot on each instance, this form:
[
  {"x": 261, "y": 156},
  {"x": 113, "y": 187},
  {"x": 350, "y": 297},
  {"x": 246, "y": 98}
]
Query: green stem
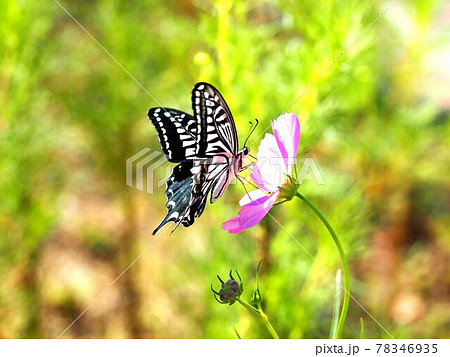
[
  {"x": 248, "y": 307},
  {"x": 259, "y": 312},
  {"x": 346, "y": 301}
]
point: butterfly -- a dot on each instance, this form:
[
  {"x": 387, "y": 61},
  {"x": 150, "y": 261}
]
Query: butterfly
[{"x": 205, "y": 146}]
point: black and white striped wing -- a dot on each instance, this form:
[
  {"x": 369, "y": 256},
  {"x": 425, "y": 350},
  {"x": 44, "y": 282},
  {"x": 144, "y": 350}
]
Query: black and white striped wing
[
  {"x": 215, "y": 123},
  {"x": 179, "y": 192},
  {"x": 177, "y": 132},
  {"x": 206, "y": 145},
  {"x": 188, "y": 188}
]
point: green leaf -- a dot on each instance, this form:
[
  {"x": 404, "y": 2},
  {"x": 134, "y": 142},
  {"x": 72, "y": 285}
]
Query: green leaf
[
  {"x": 337, "y": 303},
  {"x": 361, "y": 335},
  {"x": 237, "y": 333}
]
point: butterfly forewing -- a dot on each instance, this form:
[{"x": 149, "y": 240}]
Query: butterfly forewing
[
  {"x": 215, "y": 122},
  {"x": 177, "y": 132}
]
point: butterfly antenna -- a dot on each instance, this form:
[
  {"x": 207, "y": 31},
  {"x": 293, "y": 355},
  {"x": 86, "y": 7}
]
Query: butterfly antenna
[
  {"x": 248, "y": 134},
  {"x": 257, "y": 122},
  {"x": 251, "y": 130}
]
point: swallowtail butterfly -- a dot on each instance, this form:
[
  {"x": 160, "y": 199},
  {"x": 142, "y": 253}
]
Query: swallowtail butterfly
[{"x": 205, "y": 146}]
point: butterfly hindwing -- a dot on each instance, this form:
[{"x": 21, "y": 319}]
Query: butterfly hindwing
[
  {"x": 179, "y": 193},
  {"x": 185, "y": 192}
]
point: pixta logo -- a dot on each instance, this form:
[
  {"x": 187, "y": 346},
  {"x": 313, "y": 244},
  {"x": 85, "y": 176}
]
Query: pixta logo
[
  {"x": 152, "y": 167},
  {"x": 305, "y": 170},
  {"x": 146, "y": 165}
]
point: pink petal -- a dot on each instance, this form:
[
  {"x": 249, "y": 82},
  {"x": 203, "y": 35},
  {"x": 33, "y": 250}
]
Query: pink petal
[
  {"x": 268, "y": 172},
  {"x": 232, "y": 226},
  {"x": 255, "y": 211},
  {"x": 254, "y": 195},
  {"x": 251, "y": 214},
  {"x": 258, "y": 178},
  {"x": 286, "y": 129}
]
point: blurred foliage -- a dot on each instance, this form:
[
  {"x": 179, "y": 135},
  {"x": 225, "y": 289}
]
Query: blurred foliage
[{"x": 376, "y": 123}]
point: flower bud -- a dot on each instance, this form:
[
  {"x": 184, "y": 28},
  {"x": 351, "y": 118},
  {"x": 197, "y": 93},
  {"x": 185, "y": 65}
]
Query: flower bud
[
  {"x": 256, "y": 297},
  {"x": 230, "y": 291}
]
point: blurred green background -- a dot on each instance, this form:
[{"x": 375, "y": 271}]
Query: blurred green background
[{"x": 377, "y": 125}]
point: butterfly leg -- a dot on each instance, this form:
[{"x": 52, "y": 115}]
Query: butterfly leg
[{"x": 240, "y": 178}]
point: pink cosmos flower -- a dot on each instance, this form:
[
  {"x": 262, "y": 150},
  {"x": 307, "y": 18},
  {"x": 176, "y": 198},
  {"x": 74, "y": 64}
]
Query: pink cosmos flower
[{"x": 275, "y": 159}]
